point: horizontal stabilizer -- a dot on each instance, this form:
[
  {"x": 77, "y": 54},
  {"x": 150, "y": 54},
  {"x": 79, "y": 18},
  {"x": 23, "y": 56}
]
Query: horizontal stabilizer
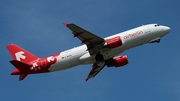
[
  {"x": 22, "y": 76},
  {"x": 20, "y": 65}
]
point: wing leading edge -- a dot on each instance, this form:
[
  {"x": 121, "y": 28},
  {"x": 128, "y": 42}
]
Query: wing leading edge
[{"x": 94, "y": 43}]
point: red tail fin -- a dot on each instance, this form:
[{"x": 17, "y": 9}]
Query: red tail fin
[{"x": 20, "y": 54}]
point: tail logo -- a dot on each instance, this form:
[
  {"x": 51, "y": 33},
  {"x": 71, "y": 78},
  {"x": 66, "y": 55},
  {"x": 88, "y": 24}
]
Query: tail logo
[{"x": 19, "y": 55}]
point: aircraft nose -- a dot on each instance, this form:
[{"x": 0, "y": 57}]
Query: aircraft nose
[{"x": 166, "y": 29}]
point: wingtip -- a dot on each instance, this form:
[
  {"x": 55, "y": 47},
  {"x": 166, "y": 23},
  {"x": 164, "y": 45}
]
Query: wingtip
[
  {"x": 65, "y": 24},
  {"x": 86, "y": 79}
]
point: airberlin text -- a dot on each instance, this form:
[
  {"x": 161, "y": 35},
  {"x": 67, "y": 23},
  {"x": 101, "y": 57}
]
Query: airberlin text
[{"x": 132, "y": 35}]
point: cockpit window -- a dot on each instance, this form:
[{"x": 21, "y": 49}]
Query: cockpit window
[{"x": 156, "y": 25}]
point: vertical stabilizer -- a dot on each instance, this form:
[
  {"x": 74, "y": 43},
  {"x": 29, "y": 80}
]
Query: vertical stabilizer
[{"x": 21, "y": 54}]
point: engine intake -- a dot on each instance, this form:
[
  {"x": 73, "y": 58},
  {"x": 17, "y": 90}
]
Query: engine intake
[{"x": 118, "y": 61}]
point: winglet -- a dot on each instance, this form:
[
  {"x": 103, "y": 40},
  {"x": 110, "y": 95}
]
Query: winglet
[
  {"x": 65, "y": 24},
  {"x": 86, "y": 79}
]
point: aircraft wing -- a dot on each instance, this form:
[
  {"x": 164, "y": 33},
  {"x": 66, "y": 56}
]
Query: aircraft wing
[
  {"x": 94, "y": 71},
  {"x": 94, "y": 43}
]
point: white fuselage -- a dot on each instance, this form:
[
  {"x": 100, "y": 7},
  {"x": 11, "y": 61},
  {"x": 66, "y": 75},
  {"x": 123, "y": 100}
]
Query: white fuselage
[{"x": 131, "y": 38}]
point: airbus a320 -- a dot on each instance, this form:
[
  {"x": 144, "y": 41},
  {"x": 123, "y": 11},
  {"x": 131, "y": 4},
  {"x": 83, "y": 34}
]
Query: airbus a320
[{"x": 99, "y": 52}]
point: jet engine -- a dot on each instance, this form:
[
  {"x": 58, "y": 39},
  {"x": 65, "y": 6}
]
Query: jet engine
[
  {"x": 118, "y": 61},
  {"x": 113, "y": 42}
]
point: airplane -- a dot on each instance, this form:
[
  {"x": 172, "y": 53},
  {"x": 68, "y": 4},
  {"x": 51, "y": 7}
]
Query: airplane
[{"x": 99, "y": 52}]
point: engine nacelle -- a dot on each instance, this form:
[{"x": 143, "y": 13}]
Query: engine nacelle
[
  {"x": 118, "y": 61},
  {"x": 113, "y": 42}
]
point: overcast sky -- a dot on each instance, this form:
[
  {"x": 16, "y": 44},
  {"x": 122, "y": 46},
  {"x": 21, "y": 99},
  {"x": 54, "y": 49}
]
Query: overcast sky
[{"x": 153, "y": 72}]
